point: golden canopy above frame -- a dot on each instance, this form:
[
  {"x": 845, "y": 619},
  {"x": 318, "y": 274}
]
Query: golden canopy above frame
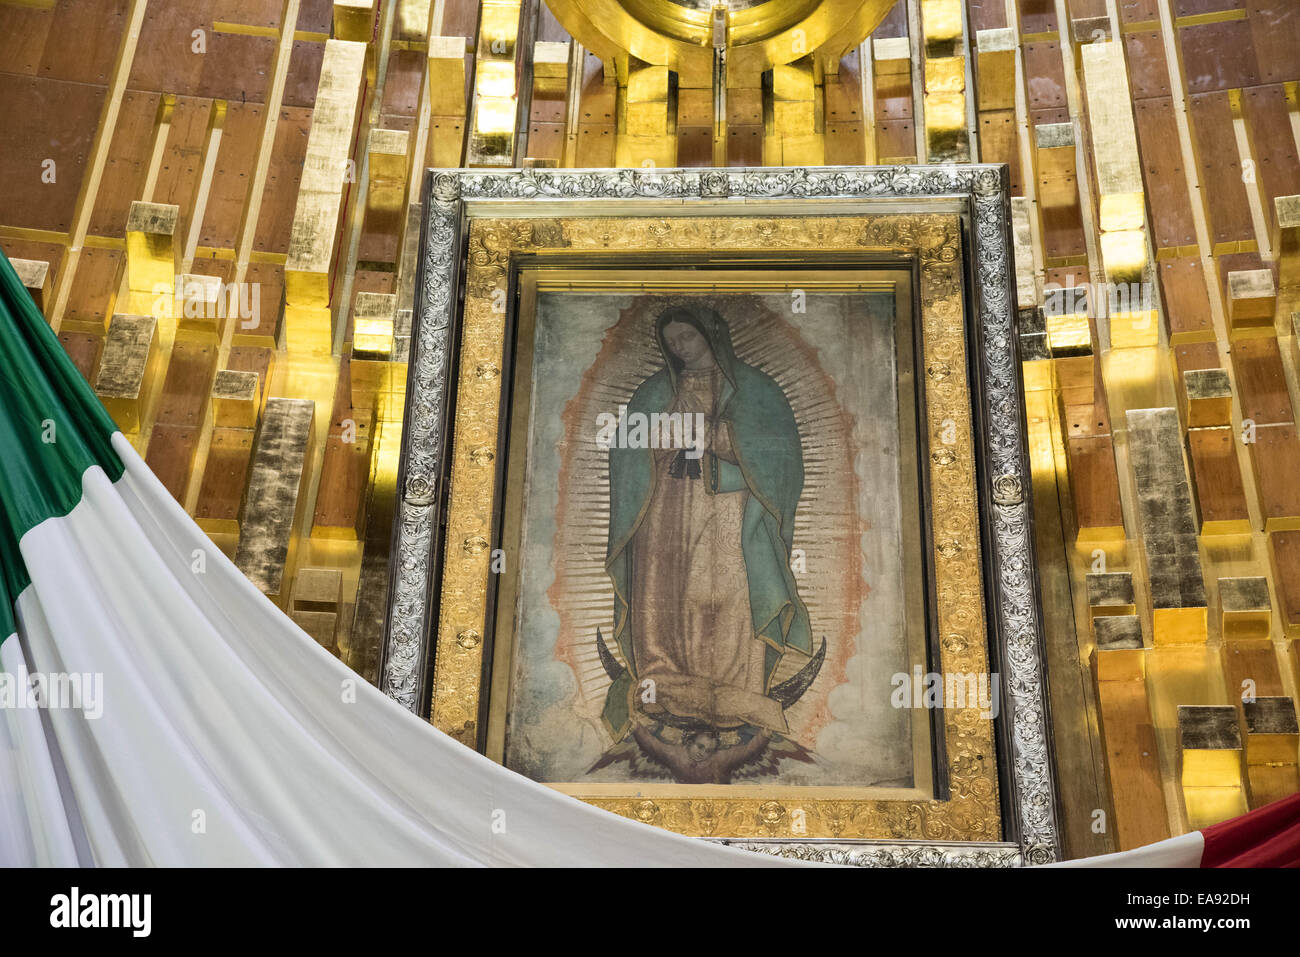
[{"x": 683, "y": 34}]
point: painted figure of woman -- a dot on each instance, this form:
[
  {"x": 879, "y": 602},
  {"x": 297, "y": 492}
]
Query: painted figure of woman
[{"x": 700, "y": 542}]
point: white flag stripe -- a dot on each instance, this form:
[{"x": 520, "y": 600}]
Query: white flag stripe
[{"x": 230, "y": 737}]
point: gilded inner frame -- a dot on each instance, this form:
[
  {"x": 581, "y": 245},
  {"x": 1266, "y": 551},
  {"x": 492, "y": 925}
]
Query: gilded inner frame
[{"x": 971, "y": 811}]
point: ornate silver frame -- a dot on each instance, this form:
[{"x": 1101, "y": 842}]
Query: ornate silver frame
[{"x": 980, "y": 193}]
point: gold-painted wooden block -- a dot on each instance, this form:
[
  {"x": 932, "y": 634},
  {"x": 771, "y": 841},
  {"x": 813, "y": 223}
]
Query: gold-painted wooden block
[
  {"x": 327, "y": 172},
  {"x": 278, "y": 478},
  {"x": 1245, "y": 606},
  {"x": 373, "y": 332},
  {"x": 1209, "y": 397},
  {"x": 235, "y": 399},
  {"x": 1169, "y": 528},
  {"x": 1252, "y": 298},
  {"x": 1209, "y": 739},
  {"x": 1119, "y": 655},
  {"x": 892, "y": 56},
  {"x": 354, "y": 20},
  {"x": 1272, "y": 734},
  {"x": 1022, "y": 209},
  {"x": 127, "y": 369},
  {"x": 35, "y": 276},
  {"x": 1180, "y": 626},
  {"x": 151, "y": 258},
  {"x": 1110, "y": 593},
  {"x": 996, "y": 61},
  {"x": 200, "y": 305},
  {"x": 551, "y": 60},
  {"x": 387, "y": 150},
  {"x": 321, "y": 625},
  {"x": 318, "y": 589},
  {"x": 446, "y": 57}
]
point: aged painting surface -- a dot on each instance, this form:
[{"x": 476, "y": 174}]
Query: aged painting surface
[{"x": 714, "y": 517}]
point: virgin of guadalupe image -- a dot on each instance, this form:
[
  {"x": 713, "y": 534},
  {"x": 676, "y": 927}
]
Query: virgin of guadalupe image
[{"x": 700, "y": 539}]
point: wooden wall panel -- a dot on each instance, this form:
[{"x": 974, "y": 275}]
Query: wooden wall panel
[
  {"x": 23, "y": 34},
  {"x": 40, "y": 120},
  {"x": 1205, "y": 66},
  {"x": 165, "y": 57},
  {"x": 83, "y": 40}
]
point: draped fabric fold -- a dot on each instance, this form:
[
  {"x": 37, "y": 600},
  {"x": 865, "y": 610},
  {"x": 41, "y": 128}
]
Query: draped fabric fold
[{"x": 183, "y": 719}]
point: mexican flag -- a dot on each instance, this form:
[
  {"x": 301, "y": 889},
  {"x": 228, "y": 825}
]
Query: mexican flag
[{"x": 157, "y": 709}]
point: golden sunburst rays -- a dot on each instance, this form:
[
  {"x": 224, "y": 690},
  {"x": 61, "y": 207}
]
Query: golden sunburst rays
[{"x": 828, "y": 523}]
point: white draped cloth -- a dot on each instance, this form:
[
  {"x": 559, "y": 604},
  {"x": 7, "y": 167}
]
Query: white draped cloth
[{"x": 229, "y": 737}]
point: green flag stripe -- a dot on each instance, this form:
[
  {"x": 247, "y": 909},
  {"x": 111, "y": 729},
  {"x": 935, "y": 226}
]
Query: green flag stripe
[{"x": 52, "y": 428}]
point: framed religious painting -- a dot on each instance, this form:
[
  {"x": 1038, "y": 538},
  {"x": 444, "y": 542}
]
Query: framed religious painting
[{"x": 712, "y": 505}]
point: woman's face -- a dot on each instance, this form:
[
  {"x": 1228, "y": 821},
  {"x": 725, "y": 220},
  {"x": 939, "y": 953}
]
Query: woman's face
[{"x": 686, "y": 343}]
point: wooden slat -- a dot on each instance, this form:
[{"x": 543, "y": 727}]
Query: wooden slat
[
  {"x": 341, "y": 499},
  {"x": 165, "y": 60},
  {"x": 1275, "y": 455},
  {"x": 1132, "y": 763},
  {"x": 1284, "y": 556},
  {"x": 275, "y": 222},
  {"x": 171, "y": 456},
  {"x": 185, "y": 390},
  {"x": 1220, "y": 495},
  {"x": 182, "y": 162},
  {"x": 1037, "y": 16},
  {"x": 257, "y": 359},
  {"x": 1148, "y": 68},
  {"x": 23, "y": 35},
  {"x": 1251, "y": 660},
  {"x": 1138, "y": 11},
  {"x": 269, "y": 281},
  {"x": 1261, "y": 381},
  {"x": 1272, "y": 143},
  {"x": 1275, "y": 36},
  {"x": 1222, "y": 189},
  {"x": 1094, "y": 486},
  {"x": 83, "y": 349},
  {"x": 127, "y": 166},
  {"x": 303, "y": 77},
  {"x": 999, "y": 142},
  {"x": 1168, "y": 201},
  {"x": 987, "y": 14},
  {"x": 224, "y": 479},
  {"x": 94, "y": 286},
  {"x": 232, "y": 175},
  {"x": 1187, "y": 301},
  {"x": 237, "y": 67}
]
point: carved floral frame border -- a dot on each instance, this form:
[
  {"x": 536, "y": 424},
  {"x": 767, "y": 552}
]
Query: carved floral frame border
[{"x": 455, "y": 197}]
